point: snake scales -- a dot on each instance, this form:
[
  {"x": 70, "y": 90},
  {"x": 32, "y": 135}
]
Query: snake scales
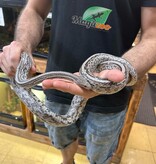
[{"x": 22, "y": 85}]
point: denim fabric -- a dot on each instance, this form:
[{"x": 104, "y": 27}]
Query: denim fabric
[{"x": 101, "y": 132}]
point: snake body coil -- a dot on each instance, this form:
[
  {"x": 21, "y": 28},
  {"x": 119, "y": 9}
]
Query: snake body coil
[{"x": 22, "y": 85}]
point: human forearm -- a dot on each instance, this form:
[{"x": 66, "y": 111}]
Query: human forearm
[
  {"x": 29, "y": 30},
  {"x": 142, "y": 56}
]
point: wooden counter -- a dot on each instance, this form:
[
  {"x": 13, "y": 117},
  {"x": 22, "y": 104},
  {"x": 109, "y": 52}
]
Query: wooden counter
[
  {"x": 40, "y": 64},
  {"x": 153, "y": 69}
]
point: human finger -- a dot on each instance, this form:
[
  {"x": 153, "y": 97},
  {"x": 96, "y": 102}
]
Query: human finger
[
  {"x": 114, "y": 75},
  {"x": 67, "y": 86},
  {"x": 4, "y": 64},
  {"x": 10, "y": 58}
]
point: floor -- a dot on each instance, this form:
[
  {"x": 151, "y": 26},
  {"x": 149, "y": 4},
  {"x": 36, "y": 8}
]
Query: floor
[
  {"x": 141, "y": 145},
  {"x": 140, "y": 149}
]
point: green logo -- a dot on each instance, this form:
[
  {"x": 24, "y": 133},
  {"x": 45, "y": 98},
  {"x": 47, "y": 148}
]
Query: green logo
[
  {"x": 93, "y": 17},
  {"x": 97, "y": 14}
]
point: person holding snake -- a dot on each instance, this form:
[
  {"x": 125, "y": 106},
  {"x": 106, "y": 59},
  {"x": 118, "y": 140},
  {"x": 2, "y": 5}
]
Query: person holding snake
[{"x": 82, "y": 30}]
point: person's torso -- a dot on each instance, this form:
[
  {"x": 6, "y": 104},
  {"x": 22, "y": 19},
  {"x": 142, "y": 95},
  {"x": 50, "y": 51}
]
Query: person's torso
[{"x": 83, "y": 28}]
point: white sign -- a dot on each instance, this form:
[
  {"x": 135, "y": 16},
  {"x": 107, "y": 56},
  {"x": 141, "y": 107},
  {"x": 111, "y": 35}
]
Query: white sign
[{"x": 2, "y": 23}]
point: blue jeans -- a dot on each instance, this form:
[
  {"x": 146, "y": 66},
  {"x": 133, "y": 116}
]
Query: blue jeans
[{"x": 101, "y": 132}]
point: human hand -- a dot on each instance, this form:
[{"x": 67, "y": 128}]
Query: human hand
[
  {"x": 10, "y": 57},
  {"x": 70, "y": 87}
]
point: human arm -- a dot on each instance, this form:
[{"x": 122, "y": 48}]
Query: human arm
[
  {"x": 28, "y": 33},
  {"x": 143, "y": 55}
]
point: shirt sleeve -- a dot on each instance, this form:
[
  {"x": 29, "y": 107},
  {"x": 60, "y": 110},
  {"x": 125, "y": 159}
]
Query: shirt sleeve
[{"x": 148, "y": 3}]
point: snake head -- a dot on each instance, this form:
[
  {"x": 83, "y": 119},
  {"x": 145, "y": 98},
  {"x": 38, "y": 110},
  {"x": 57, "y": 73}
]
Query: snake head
[
  {"x": 23, "y": 68},
  {"x": 26, "y": 61}
]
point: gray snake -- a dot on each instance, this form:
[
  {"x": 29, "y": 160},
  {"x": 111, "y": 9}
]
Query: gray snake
[{"x": 22, "y": 85}]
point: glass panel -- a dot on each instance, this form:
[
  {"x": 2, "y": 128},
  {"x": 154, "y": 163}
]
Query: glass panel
[
  {"x": 10, "y": 105},
  {"x": 10, "y": 16}
]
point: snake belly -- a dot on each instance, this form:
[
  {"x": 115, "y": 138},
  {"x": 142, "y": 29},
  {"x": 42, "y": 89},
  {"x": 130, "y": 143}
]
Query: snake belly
[{"x": 22, "y": 85}]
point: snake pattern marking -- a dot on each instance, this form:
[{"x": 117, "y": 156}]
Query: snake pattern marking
[{"x": 22, "y": 85}]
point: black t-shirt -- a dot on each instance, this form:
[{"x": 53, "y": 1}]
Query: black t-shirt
[{"x": 85, "y": 27}]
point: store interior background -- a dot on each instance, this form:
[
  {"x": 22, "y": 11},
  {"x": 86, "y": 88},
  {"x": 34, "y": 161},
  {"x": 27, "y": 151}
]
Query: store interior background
[{"x": 25, "y": 141}]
